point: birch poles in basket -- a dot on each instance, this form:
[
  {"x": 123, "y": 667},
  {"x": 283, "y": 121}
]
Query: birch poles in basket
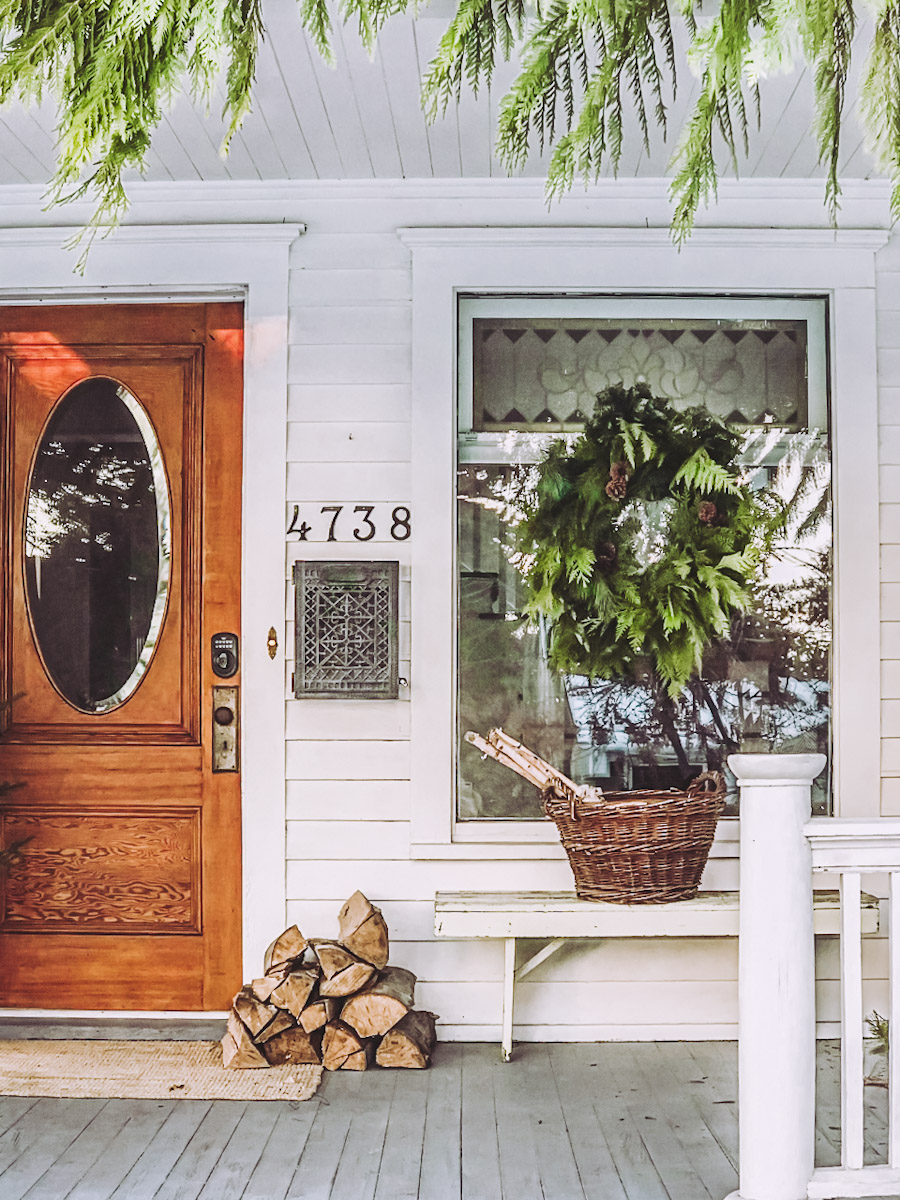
[{"x": 337, "y": 1003}]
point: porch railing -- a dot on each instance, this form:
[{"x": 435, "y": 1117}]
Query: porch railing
[{"x": 782, "y": 849}]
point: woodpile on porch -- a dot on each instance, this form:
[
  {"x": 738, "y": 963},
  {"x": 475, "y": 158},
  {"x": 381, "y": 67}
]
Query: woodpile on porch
[{"x": 337, "y": 1003}]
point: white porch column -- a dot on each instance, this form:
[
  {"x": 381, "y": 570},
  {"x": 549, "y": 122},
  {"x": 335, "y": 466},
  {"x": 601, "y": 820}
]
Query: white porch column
[{"x": 776, "y": 996}]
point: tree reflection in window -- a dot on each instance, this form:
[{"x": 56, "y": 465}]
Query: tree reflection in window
[
  {"x": 766, "y": 686},
  {"x": 97, "y": 545}
]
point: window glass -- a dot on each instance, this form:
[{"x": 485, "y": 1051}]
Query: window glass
[{"x": 528, "y": 379}]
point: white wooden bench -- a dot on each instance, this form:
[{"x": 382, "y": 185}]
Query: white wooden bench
[{"x": 559, "y": 916}]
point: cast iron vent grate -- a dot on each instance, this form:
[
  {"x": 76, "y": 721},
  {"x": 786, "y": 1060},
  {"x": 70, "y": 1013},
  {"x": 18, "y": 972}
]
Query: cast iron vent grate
[{"x": 346, "y": 630}]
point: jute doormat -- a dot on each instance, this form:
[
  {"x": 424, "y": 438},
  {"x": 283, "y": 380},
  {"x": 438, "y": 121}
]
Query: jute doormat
[{"x": 143, "y": 1070}]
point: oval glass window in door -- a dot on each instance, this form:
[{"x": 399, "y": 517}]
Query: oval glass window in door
[{"x": 97, "y": 545}]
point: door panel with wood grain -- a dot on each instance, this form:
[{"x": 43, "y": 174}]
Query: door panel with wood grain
[{"x": 120, "y": 500}]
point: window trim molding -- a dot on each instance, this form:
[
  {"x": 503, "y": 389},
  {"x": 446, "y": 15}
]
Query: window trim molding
[{"x": 570, "y": 261}]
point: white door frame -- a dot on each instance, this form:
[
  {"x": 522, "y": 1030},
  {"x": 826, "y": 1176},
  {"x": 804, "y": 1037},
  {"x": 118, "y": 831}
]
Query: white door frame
[{"x": 178, "y": 263}]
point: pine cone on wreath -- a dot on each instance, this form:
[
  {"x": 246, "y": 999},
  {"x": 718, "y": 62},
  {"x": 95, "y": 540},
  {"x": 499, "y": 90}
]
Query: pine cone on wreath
[
  {"x": 707, "y": 512},
  {"x": 617, "y": 488},
  {"x": 607, "y": 556}
]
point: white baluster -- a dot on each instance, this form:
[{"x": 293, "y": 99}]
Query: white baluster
[
  {"x": 851, "y": 1022},
  {"x": 777, "y": 1065},
  {"x": 894, "y": 1027}
]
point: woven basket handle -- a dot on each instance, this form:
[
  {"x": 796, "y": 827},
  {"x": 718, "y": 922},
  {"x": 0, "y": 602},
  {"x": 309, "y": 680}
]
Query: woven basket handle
[{"x": 708, "y": 782}]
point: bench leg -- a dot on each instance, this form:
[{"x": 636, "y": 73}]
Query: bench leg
[{"x": 509, "y": 983}]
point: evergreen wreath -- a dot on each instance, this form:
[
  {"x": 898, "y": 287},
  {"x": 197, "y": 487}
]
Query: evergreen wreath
[{"x": 639, "y": 542}]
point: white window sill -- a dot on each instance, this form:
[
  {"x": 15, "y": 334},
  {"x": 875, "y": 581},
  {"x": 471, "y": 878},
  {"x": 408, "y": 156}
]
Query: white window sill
[{"x": 535, "y": 840}]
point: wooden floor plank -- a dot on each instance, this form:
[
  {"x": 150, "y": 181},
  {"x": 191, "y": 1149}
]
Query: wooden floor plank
[
  {"x": 144, "y": 1119},
  {"x": 673, "y": 1166},
  {"x": 720, "y": 1119},
  {"x": 324, "y": 1146},
  {"x": 623, "y": 1134},
  {"x": 44, "y": 1133},
  {"x": 13, "y": 1108},
  {"x": 441, "y": 1177},
  {"x": 480, "y": 1166},
  {"x": 401, "y": 1160},
  {"x": 370, "y": 1097},
  {"x": 678, "y": 1107},
  {"x": 520, "y": 1174},
  {"x": 273, "y": 1173},
  {"x": 71, "y": 1166},
  {"x": 32, "y": 1125},
  {"x": 232, "y": 1170},
  {"x": 164, "y": 1149},
  {"x": 196, "y": 1162},
  {"x": 557, "y": 1169},
  {"x": 575, "y": 1077},
  {"x": 828, "y": 1105}
]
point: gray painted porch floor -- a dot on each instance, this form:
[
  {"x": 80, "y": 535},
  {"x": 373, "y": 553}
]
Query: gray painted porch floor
[{"x": 614, "y": 1121}]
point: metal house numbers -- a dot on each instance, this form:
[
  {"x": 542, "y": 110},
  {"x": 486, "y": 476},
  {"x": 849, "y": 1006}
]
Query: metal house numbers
[{"x": 349, "y": 522}]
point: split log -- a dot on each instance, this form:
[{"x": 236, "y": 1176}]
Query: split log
[
  {"x": 293, "y": 1045},
  {"x": 237, "y": 1046},
  {"x": 283, "y": 1021},
  {"x": 352, "y": 979},
  {"x": 363, "y": 930},
  {"x": 254, "y": 1014},
  {"x": 294, "y": 992},
  {"x": 344, "y": 1050},
  {"x": 382, "y": 1004},
  {"x": 332, "y": 956},
  {"x": 344, "y": 972},
  {"x": 319, "y": 1012},
  {"x": 409, "y": 1043},
  {"x": 264, "y": 987},
  {"x": 287, "y": 946}
]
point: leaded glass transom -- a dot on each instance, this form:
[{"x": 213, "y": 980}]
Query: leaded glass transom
[{"x": 543, "y": 374}]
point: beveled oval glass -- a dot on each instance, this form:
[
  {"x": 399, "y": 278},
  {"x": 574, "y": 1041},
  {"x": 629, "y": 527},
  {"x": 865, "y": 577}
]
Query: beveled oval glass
[{"x": 97, "y": 545}]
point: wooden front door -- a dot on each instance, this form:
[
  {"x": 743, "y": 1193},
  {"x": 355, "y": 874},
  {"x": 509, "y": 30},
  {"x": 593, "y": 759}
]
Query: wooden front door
[{"x": 120, "y": 503}]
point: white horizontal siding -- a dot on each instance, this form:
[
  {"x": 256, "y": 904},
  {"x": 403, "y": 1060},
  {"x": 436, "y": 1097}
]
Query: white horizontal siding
[
  {"x": 348, "y": 800},
  {"x": 348, "y": 483},
  {"x": 349, "y": 402},
  {"x": 347, "y": 759},
  {"x": 347, "y": 763},
  {"x": 348, "y": 441}
]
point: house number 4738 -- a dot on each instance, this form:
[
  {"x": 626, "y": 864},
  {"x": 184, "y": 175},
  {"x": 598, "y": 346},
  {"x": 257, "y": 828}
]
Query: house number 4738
[{"x": 349, "y": 522}]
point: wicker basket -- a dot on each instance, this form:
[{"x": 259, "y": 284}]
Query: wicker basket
[
  {"x": 627, "y": 847},
  {"x": 638, "y": 847}
]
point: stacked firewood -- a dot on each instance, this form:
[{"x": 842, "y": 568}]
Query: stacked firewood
[{"x": 337, "y": 1003}]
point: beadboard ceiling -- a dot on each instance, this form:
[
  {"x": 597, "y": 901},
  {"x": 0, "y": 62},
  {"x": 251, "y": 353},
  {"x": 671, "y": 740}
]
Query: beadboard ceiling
[{"x": 363, "y": 120}]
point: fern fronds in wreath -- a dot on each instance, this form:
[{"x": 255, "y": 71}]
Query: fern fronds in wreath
[{"x": 639, "y": 542}]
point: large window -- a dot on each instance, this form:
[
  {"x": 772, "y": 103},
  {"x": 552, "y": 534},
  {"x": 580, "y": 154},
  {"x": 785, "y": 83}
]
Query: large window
[{"x": 529, "y": 371}]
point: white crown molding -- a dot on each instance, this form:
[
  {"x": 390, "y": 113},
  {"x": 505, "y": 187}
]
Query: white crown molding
[
  {"x": 797, "y": 202},
  {"x": 272, "y": 233},
  {"x": 805, "y": 239}
]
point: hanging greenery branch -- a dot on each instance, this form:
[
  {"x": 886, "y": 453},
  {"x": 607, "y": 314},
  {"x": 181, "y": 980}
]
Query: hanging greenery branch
[
  {"x": 640, "y": 542},
  {"x": 113, "y": 66}
]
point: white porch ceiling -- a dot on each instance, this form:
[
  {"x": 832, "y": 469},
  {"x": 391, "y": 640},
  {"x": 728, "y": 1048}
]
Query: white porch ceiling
[{"x": 363, "y": 120}]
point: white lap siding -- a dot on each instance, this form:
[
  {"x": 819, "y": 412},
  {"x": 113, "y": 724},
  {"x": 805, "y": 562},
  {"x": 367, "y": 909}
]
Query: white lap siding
[{"x": 348, "y": 791}]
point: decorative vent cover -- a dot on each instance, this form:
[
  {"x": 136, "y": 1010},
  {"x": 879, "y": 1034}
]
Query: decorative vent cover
[{"x": 346, "y": 630}]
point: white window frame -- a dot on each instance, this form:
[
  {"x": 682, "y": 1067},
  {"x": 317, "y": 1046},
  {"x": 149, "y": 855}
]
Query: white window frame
[{"x": 624, "y": 264}]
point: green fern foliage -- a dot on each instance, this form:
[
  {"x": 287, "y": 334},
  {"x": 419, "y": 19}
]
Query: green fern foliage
[
  {"x": 640, "y": 542},
  {"x": 585, "y": 66}
]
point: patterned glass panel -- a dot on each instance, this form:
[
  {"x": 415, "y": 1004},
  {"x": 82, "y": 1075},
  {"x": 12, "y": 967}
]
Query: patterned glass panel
[
  {"x": 346, "y": 630},
  {"x": 543, "y": 375}
]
